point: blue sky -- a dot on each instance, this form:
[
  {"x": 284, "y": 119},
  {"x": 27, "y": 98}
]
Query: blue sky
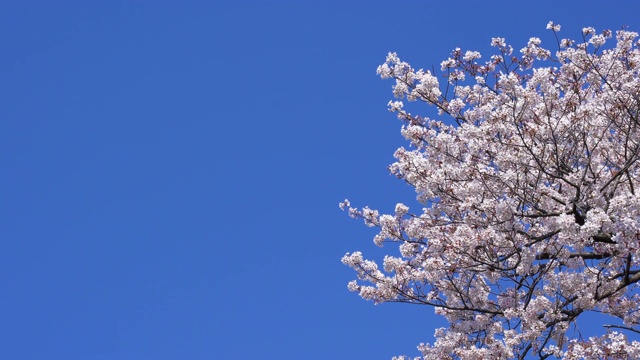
[{"x": 171, "y": 170}]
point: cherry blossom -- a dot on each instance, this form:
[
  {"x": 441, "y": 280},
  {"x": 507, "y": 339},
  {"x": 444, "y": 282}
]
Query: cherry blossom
[{"x": 530, "y": 214}]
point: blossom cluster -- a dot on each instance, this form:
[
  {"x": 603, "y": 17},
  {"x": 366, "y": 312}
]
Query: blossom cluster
[{"x": 531, "y": 193}]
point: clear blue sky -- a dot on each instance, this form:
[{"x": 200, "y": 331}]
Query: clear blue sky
[{"x": 171, "y": 170}]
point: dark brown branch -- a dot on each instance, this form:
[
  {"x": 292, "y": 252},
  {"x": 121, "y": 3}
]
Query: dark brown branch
[
  {"x": 585, "y": 256},
  {"x": 621, "y": 327}
]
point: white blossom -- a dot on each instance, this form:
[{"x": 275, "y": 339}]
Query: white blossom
[
  {"x": 471, "y": 55},
  {"x": 553, "y": 26}
]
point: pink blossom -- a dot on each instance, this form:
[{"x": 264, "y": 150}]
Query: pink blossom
[{"x": 530, "y": 183}]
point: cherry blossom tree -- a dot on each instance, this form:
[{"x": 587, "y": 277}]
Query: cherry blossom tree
[{"x": 530, "y": 184}]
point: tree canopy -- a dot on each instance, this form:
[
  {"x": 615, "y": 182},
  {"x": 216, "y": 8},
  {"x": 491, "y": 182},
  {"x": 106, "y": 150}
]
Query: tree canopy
[{"x": 529, "y": 178}]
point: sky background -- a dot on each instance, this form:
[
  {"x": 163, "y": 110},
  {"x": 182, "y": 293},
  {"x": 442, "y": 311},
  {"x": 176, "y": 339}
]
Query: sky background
[{"x": 171, "y": 170}]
